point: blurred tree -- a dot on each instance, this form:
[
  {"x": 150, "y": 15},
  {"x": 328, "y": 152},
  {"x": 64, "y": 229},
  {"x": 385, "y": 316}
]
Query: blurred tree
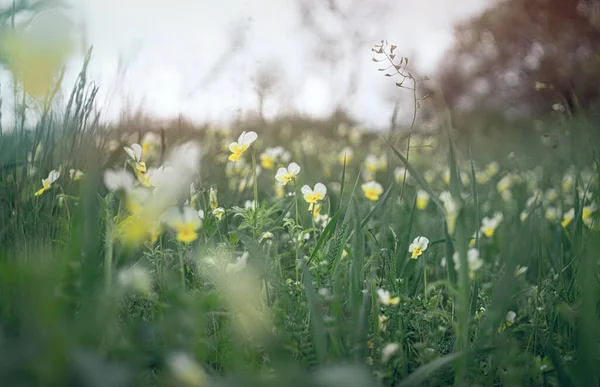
[{"x": 526, "y": 56}]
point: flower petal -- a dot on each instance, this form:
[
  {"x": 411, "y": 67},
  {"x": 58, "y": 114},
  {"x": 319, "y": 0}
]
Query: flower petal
[
  {"x": 294, "y": 169},
  {"x": 320, "y": 189},
  {"x": 247, "y": 138}
]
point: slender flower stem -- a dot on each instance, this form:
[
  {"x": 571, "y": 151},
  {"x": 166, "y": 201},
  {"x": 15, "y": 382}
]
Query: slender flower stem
[
  {"x": 296, "y": 233},
  {"x": 254, "y": 220},
  {"x": 181, "y": 265},
  {"x": 424, "y": 277}
]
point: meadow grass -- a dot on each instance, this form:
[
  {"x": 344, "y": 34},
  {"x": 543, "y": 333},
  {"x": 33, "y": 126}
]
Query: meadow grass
[{"x": 210, "y": 272}]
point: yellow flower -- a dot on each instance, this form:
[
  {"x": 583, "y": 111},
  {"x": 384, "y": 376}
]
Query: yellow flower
[
  {"x": 504, "y": 184},
  {"x": 374, "y": 163},
  {"x": 76, "y": 174},
  {"x": 399, "y": 173},
  {"x": 288, "y": 175},
  {"x": 586, "y": 215},
  {"x": 218, "y": 212},
  {"x": 446, "y": 176},
  {"x": 317, "y": 210},
  {"x": 187, "y": 371},
  {"x": 135, "y": 199},
  {"x": 451, "y": 209},
  {"x": 47, "y": 182},
  {"x": 386, "y": 299},
  {"x": 482, "y": 177},
  {"x": 345, "y": 154},
  {"x": 212, "y": 198},
  {"x": 489, "y": 225},
  {"x": 372, "y": 190},
  {"x": 135, "y": 229},
  {"x": 418, "y": 246},
  {"x": 508, "y": 320},
  {"x": 184, "y": 222},
  {"x": 474, "y": 262},
  {"x": 135, "y": 155},
  {"x": 150, "y": 142},
  {"x": 567, "y": 183},
  {"x": 267, "y": 161},
  {"x": 492, "y": 169},
  {"x": 315, "y": 195},
  {"x": 238, "y": 148},
  {"x": 422, "y": 199},
  {"x": 429, "y": 176},
  {"x": 143, "y": 178}
]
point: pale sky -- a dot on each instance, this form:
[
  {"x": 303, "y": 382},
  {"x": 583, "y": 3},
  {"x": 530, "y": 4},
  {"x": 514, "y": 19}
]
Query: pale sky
[{"x": 171, "y": 57}]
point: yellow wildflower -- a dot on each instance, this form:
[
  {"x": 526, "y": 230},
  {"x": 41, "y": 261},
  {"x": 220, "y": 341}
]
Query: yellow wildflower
[
  {"x": 287, "y": 175},
  {"x": 76, "y": 174},
  {"x": 386, "y": 299},
  {"x": 135, "y": 155},
  {"x": 185, "y": 222},
  {"x": 422, "y": 199},
  {"x": 47, "y": 182},
  {"x": 372, "y": 190},
  {"x": 315, "y": 195},
  {"x": 489, "y": 225},
  {"x": 238, "y": 147},
  {"x": 418, "y": 246},
  {"x": 345, "y": 154}
]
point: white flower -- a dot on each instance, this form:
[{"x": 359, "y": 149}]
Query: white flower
[
  {"x": 418, "y": 246},
  {"x": 345, "y": 155},
  {"x": 315, "y": 195},
  {"x": 239, "y": 147},
  {"x": 116, "y": 180},
  {"x": 488, "y": 226},
  {"x": 473, "y": 261},
  {"x": 185, "y": 222},
  {"x": 510, "y": 317},
  {"x": 287, "y": 175},
  {"x": 399, "y": 173},
  {"x": 137, "y": 278},
  {"x": 159, "y": 176},
  {"x": 240, "y": 263},
  {"x": 520, "y": 270},
  {"x": 47, "y": 182},
  {"x": 386, "y": 299},
  {"x": 134, "y": 153},
  {"x": 75, "y": 174},
  {"x": 186, "y": 370},
  {"x": 451, "y": 208},
  {"x": 388, "y": 351}
]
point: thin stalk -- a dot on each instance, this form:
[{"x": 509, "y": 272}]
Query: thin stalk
[{"x": 181, "y": 265}]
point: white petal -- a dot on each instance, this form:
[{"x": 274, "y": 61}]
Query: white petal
[
  {"x": 306, "y": 190},
  {"x": 129, "y": 152},
  {"x": 191, "y": 215},
  {"x": 320, "y": 189},
  {"x": 294, "y": 169},
  {"x": 53, "y": 176},
  {"x": 137, "y": 150},
  {"x": 280, "y": 173},
  {"x": 171, "y": 216},
  {"x": 248, "y": 138},
  {"x": 116, "y": 180}
]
